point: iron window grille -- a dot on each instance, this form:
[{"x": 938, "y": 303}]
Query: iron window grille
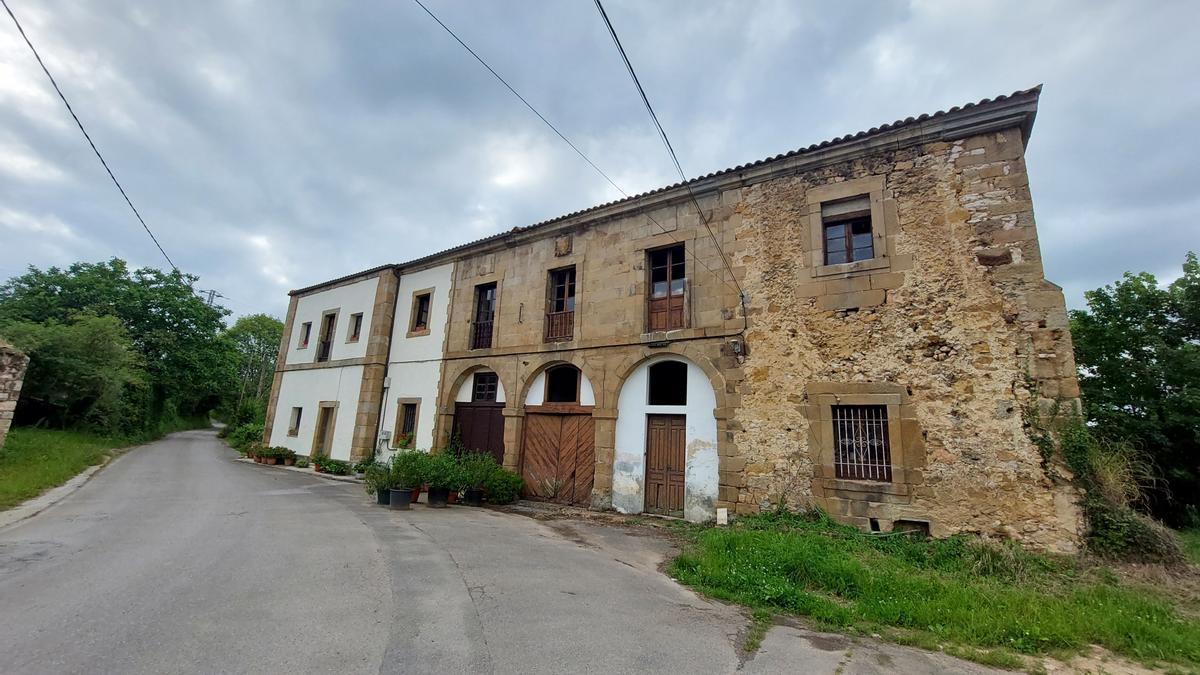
[{"x": 860, "y": 443}]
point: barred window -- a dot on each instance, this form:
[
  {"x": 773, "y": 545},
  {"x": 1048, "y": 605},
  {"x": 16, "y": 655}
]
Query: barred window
[{"x": 860, "y": 443}]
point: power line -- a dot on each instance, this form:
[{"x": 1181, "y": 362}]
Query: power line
[
  {"x": 85, "y": 133},
  {"x": 574, "y": 147},
  {"x": 667, "y": 142}
]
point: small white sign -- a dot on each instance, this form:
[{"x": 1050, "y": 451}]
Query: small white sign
[{"x": 722, "y": 516}]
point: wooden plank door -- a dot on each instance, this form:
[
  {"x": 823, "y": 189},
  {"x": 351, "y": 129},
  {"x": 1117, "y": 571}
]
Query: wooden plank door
[
  {"x": 558, "y": 457},
  {"x": 481, "y": 428},
  {"x": 666, "y": 436}
]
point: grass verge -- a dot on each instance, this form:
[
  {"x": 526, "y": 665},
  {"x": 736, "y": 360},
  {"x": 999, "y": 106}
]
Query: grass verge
[
  {"x": 35, "y": 460},
  {"x": 980, "y": 601}
]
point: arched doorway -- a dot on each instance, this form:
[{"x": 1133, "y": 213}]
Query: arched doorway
[
  {"x": 478, "y": 414},
  {"x": 665, "y": 459},
  {"x": 558, "y": 453}
]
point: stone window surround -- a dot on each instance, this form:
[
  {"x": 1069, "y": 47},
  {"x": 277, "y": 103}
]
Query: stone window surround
[
  {"x": 317, "y": 352},
  {"x": 907, "y": 462},
  {"x": 413, "y": 331},
  {"x": 294, "y": 422},
  {"x": 350, "y": 336},
  {"x": 881, "y": 222},
  {"x": 400, "y": 403},
  {"x": 648, "y": 284},
  {"x": 306, "y": 335},
  {"x": 317, "y": 424}
]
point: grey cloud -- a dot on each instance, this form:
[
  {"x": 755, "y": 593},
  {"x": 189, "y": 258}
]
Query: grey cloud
[{"x": 275, "y": 144}]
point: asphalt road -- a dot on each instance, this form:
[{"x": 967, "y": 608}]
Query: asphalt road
[{"x": 176, "y": 558}]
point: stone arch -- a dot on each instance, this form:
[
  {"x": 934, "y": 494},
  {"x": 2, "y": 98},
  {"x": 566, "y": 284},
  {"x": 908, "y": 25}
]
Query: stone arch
[
  {"x": 531, "y": 377},
  {"x": 468, "y": 370},
  {"x": 686, "y": 352},
  {"x": 699, "y": 419}
]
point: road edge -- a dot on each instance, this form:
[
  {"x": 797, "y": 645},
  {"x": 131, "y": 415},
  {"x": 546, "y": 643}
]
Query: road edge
[{"x": 31, "y": 507}]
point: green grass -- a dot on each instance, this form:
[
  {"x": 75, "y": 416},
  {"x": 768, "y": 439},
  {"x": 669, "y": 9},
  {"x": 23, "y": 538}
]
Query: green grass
[
  {"x": 949, "y": 592},
  {"x": 34, "y": 460},
  {"x": 1190, "y": 540}
]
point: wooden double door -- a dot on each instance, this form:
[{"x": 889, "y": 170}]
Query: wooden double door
[
  {"x": 666, "y": 440},
  {"x": 558, "y": 457},
  {"x": 480, "y": 426}
]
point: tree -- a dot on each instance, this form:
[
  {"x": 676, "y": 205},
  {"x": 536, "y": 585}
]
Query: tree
[
  {"x": 1138, "y": 351},
  {"x": 188, "y": 363},
  {"x": 79, "y": 370},
  {"x": 256, "y": 339}
]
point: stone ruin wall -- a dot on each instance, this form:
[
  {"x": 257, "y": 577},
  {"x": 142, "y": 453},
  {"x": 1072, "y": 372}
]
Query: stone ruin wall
[{"x": 12, "y": 374}]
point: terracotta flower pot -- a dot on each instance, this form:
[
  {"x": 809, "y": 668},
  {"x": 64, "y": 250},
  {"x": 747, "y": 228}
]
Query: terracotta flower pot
[{"x": 288, "y": 461}]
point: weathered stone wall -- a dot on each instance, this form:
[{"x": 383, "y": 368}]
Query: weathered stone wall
[
  {"x": 610, "y": 336},
  {"x": 955, "y": 322},
  {"x": 12, "y": 374}
]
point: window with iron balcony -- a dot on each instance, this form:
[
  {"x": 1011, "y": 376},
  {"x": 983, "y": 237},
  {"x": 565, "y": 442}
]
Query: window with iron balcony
[
  {"x": 485, "y": 316},
  {"x": 560, "y": 305}
]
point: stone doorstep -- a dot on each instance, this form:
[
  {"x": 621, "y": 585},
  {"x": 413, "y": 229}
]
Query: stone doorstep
[{"x": 305, "y": 470}]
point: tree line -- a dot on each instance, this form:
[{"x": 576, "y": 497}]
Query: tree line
[{"x": 132, "y": 352}]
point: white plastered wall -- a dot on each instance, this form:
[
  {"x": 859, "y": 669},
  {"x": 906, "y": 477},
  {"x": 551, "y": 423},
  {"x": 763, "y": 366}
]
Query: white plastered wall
[
  {"x": 415, "y": 363},
  {"x": 347, "y": 300},
  {"x": 629, "y": 461},
  {"x": 306, "y": 389}
]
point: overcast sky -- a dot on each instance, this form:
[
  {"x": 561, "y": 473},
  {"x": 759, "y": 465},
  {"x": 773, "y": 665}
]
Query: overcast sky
[{"x": 276, "y": 144}]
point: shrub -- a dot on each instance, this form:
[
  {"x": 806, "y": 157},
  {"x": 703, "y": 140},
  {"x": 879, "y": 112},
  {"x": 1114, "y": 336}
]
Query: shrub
[
  {"x": 1120, "y": 532},
  {"x": 336, "y": 467},
  {"x": 377, "y": 476},
  {"x": 362, "y": 466},
  {"x": 244, "y": 436},
  {"x": 503, "y": 486},
  {"x": 409, "y": 469},
  {"x": 477, "y": 468},
  {"x": 443, "y": 471},
  {"x": 302, "y": 462}
]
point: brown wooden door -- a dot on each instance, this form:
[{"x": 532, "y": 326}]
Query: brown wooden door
[
  {"x": 323, "y": 434},
  {"x": 481, "y": 427},
  {"x": 665, "y": 440},
  {"x": 558, "y": 457}
]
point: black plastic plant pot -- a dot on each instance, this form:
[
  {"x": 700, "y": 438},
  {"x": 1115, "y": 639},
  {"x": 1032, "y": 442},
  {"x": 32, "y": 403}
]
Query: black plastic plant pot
[
  {"x": 400, "y": 498},
  {"x": 383, "y": 497},
  {"x": 438, "y": 497},
  {"x": 474, "y": 497}
]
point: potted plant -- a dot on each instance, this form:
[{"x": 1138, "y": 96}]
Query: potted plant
[
  {"x": 377, "y": 479},
  {"x": 289, "y": 456},
  {"x": 405, "y": 472},
  {"x": 336, "y": 467},
  {"x": 317, "y": 462},
  {"x": 476, "y": 469},
  {"x": 360, "y": 469},
  {"x": 444, "y": 475}
]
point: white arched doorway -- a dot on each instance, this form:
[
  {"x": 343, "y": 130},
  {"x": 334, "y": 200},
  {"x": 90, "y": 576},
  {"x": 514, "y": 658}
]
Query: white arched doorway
[
  {"x": 478, "y": 414},
  {"x": 665, "y": 458}
]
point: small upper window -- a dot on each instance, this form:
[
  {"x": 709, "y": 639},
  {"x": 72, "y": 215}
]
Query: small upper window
[
  {"x": 668, "y": 383},
  {"x": 484, "y": 387},
  {"x": 420, "y": 312},
  {"x": 355, "y": 327},
  {"x": 294, "y": 423},
  {"x": 848, "y": 236},
  {"x": 407, "y": 428},
  {"x": 305, "y": 333},
  {"x": 562, "y": 384}
]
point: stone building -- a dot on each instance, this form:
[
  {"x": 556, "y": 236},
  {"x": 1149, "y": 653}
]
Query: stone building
[
  {"x": 856, "y": 325},
  {"x": 12, "y": 374}
]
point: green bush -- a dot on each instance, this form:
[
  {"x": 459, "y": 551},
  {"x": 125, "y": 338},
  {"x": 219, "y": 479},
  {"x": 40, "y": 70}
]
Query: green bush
[
  {"x": 361, "y": 467},
  {"x": 242, "y": 437},
  {"x": 442, "y": 470},
  {"x": 302, "y": 462},
  {"x": 477, "y": 468},
  {"x": 377, "y": 476},
  {"x": 503, "y": 486},
  {"x": 337, "y": 467},
  {"x": 409, "y": 469}
]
